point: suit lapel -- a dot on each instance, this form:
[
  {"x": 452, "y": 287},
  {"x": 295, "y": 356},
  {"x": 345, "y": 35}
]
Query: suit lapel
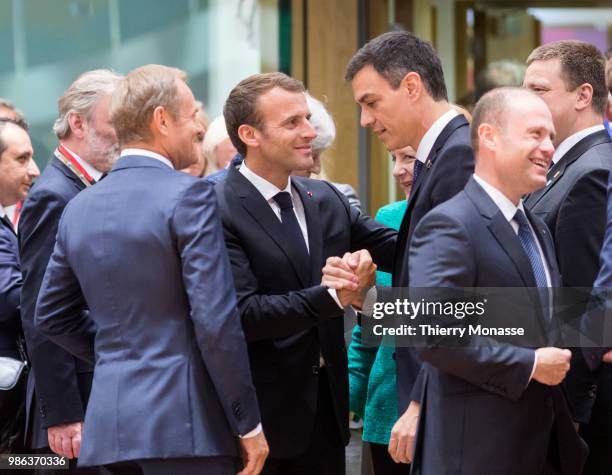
[
  {"x": 315, "y": 230},
  {"x": 255, "y": 204},
  {"x": 558, "y": 169},
  {"x": 64, "y": 170},
  {"x": 6, "y": 222}
]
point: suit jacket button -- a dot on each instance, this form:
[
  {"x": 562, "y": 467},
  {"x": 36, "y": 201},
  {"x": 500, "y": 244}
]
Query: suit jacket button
[
  {"x": 592, "y": 391},
  {"x": 315, "y": 370}
]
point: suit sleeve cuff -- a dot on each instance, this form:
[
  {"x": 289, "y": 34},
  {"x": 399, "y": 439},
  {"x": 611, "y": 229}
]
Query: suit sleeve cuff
[
  {"x": 334, "y": 295},
  {"x": 253, "y": 432},
  {"x": 535, "y": 363}
]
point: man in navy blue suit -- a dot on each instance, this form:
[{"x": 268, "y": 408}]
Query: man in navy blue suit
[
  {"x": 143, "y": 251},
  {"x": 17, "y": 171},
  {"x": 495, "y": 407},
  {"x": 398, "y": 82},
  {"x": 59, "y": 383},
  {"x": 279, "y": 229}
]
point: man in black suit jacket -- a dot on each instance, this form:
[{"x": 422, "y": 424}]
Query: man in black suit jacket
[
  {"x": 17, "y": 170},
  {"x": 279, "y": 231},
  {"x": 61, "y": 383},
  {"x": 570, "y": 78},
  {"x": 398, "y": 82},
  {"x": 496, "y": 407}
]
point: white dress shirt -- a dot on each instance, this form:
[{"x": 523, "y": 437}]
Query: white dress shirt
[
  {"x": 572, "y": 140},
  {"x": 91, "y": 171},
  {"x": 432, "y": 134},
  {"x": 146, "y": 153}
]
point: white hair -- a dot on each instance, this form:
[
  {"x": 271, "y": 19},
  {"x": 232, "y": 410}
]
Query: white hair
[
  {"x": 323, "y": 124},
  {"x": 82, "y": 96},
  {"x": 215, "y": 134}
]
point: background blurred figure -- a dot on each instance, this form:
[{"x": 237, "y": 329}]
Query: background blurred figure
[
  {"x": 7, "y": 109},
  {"x": 323, "y": 124},
  {"x": 504, "y": 73},
  {"x": 59, "y": 383},
  {"x": 372, "y": 380},
  {"x": 199, "y": 167},
  {"x": 218, "y": 147},
  {"x": 17, "y": 171}
]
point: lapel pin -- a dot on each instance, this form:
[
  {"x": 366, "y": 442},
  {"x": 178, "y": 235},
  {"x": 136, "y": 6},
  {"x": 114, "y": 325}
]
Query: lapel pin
[
  {"x": 428, "y": 164},
  {"x": 556, "y": 174},
  {"x": 309, "y": 193}
]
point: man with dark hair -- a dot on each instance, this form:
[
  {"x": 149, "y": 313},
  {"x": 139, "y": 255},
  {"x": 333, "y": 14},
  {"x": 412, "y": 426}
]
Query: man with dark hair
[
  {"x": 493, "y": 406},
  {"x": 279, "y": 229},
  {"x": 570, "y": 77},
  {"x": 398, "y": 82},
  {"x": 17, "y": 171}
]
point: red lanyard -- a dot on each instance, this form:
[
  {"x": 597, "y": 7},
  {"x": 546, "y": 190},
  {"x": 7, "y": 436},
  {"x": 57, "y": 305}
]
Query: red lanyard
[{"x": 74, "y": 162}]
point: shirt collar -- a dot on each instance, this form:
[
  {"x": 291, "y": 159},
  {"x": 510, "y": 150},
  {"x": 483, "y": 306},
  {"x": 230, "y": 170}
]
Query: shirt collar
[
  {"x": 91, "y": 171},
  {"x": 146, "y": 153},
  {"x": 572, "y": 140},
  {"x": 501, "y": 201},
  {"x": 267, "y": 189},
  {"x": 430, "y": 137},
  {"x": 2, "y": 212}
]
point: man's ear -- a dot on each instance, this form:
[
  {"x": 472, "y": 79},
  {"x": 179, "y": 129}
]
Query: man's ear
[
  {"x": 249, "y": 135},
  {"x": 76, "y": 122},
  {"x": 412, "y": 85},
  {"x": 487, "y": 136},
  {"x": 584, "y": 96},
  {"x": 159, "y": 121}
]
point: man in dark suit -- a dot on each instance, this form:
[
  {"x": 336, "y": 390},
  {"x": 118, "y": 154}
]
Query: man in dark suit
[
  {"x": 570, "y": 78},
  {"x": 279, "y": 229},
  {"x": 143, "y": 250},
  {"x": 59, "y": 384},
  {"x": 495, "y": 407},
  {"x": 398, "y": 82},
  {"x": 17, "y": 171}
]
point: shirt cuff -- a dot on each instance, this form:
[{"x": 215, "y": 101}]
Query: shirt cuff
[
  {"x": 252, "y": 433},
  {"x": 535, "y": 363},
  {"x": 334, "y": 295},
  {"x": 368, "y": 302}
]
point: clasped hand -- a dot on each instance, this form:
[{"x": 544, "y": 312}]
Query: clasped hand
[{"x": 351, "y": 276}]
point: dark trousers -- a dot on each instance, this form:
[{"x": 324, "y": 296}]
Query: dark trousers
[
  {"x": 599, "y": 461},
  {"x": 176, "y": 466},
  {"x": 383, "y": 464},
  {"x": 325, "y": 455},
  {"x": 12, "y": 417}
]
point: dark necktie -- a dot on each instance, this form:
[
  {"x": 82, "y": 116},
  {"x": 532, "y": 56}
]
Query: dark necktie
[
  {"x": 7, "y": 222},
  {"x": 535, "y": 259},
  {"x": 292, "y": 229},
  {"x": 418, "y": 168}
]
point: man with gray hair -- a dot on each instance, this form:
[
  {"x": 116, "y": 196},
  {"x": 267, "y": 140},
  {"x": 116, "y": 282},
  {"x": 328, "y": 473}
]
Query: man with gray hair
[
  {"x": 59, "y": 382},
  {"x": 144, "y": 252}
]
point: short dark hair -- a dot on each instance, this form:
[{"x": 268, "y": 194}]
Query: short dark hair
[
  {"x": 397, "y": 53},
  {"x": 8, "y": 120},
  {"x": 492, "y": 108},
  {"x": 241, "y": 105},
  {"x": 581, "y": 63}
]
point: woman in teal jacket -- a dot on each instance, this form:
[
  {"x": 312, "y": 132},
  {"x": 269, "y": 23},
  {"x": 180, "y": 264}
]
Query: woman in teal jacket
[{"x": 372, "y": 369}]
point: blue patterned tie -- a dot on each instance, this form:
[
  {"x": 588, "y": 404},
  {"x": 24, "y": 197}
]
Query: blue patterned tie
[
  {"x": 418, "y": 168},
  {"x": 528, "y": 241}
]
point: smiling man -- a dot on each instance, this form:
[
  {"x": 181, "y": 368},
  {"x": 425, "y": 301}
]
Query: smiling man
[
  {"x": 570, "y": 77},
  {"x": 279, "y": 229},
  {"x": 17, "y": 171},
  {"x": 492, "y": 407}
]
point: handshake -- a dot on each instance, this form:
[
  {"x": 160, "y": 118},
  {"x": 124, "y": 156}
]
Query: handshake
[{"x": 351, "y": 276}]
